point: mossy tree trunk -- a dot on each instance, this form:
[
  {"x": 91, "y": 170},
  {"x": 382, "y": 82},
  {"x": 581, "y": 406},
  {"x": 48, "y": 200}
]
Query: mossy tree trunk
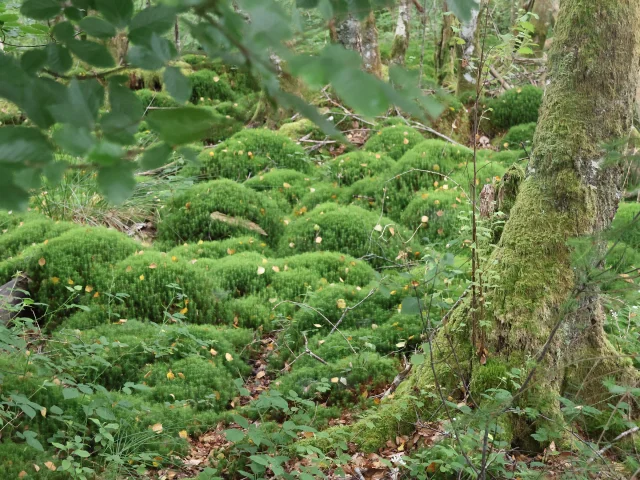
[
  {"x": 446, "y": 51},
  {"x": 401, "y": 38},
  {"x": 361, "y": 37},
  {"x": 539, "y": 310}
]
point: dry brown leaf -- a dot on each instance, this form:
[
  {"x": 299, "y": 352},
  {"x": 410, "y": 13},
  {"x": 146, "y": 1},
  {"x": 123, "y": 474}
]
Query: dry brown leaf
[
  {"x": 42, "y": 262},
  {"x": 156, "y": 427},
  {"x": 50, "y": 466}
]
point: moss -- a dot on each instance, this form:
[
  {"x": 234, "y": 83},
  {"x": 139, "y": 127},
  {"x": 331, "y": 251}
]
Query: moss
[
  {"x": 187, "y": 216},
  {"x": 379, "y": 194},
  {"x": 351, "y": 167},
  {"x": 21, "y": 459},
  {"x": 626, "y": 224},
  {"x": 439, "y": 213},
  {"x": 330, "y": 227},
  {"x": 281, "y": 185},
  {"x": 220, "y": 248},
  {"x": 145, "y": 79},
  {"x": 506, "y": 158},
  {"x": 333, "y": 267},
  {"x": 248, "y": 153},
  {"x": 488, "y": 173},
  {"x": 149, "y": 98},
  {"x": 35, "y": 230},
  {"x": 393, "y": 141},
  {"x": 519, "y": 136},
  {"x": 301, "y": 128},
  {"x": 437, "y": 157},
  {"x": 209, "y": 85},
  {"x": 223, "y": 126},
  {"x": 158, "y": 286},
  {"x": 508, "y": 188},
  {"x": 318, "y": 193},
  {"x": 10, "y": 114},
  {"x": 515, "y": 107}
]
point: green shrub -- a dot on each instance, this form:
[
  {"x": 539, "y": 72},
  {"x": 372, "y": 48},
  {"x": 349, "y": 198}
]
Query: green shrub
[
  {"x": 348, "y": 229},
  {"x": 624, "y": 227},
  {"x": 207, "y": 383},
  {"x": 154, "y": 284},
  {"x": 515, "y": 107},
  {"x": 209, "y": 85},
  {"x": 187, "y": 216},
  {"x": 394, "y": 141},
  {"x": 281, "y": 184},
  {"x": 333, "y": 267},
  {"x": 351, "y": 167},
  {"x": 518, "y": 135},
  {"x": 34, "y": 231},
  {"x": 436, "y": 156},
  {"x": 149, "y": 98},
  {"x": 79, "y": 257},
  {"x": 622, "y": 258},
  {"x": 364, "y": 372},
  {"x": 220, "y": 248},
  {"x": 248, "y": 153},
  {"x": 437, "y": 213}
]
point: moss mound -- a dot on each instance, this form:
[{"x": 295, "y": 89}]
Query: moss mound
[
  {"x": 318, "y": 193},
  {"x": 240, "y": 210},
  {"x": 351, "y": 167},
  {"x": 515, "y": 107},
  {"x": 250, "y": 152},
  {"x": 35, "y": 230},
  {"x": 333, "y": 267},
  {"x": 151, "y": 98},
  {"x": 519, "y": 135},
  {"x": 394, "y": 141},
  {"x": 349, "y": 229},
  {"x": 81, "y": 258},
  {"x": 208, "y": 85},
  {"x": 505, "y": 158},
  {"x": 159, "y": 288},
  {"x": 220, "y": 248},
  {"x": 624, "y": 227},
  {"x": 438, "y": 213},
  {"x": 440, "y": 158},
  {"x": 281, "y": 185},
  {"x": 488, "y": 172}
]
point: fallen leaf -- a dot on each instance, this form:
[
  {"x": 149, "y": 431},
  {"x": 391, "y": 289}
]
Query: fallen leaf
[
  {"x": 228, "y": 356},
  {"x": 213, "y": 352},
  {"x": 260, "y": 374},
  {"x": 153, "y": 265},
  {"x": 42, "y": 262},
  {"x": 170, "y": 375},
  {"x": 341, "y": 303},
  {"x": 318, "y": 239},
  {"x": 183, "y": 434},
  {"x": 275, "y": 268},
  {"x": 261, "y": 270},
  {"x": 50, "y": 466},
  {"x": 156, "y": 427},
  {"x": 335, "y": 380},
  {"x": 43, "y": 411}
]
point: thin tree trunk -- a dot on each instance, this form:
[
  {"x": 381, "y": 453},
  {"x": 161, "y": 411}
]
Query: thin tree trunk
[
  {"x": 446, "y": 51},
  {"x": 401, "y": 38},
  {"x": 467, "y": 52},
  {"x": 539, "y": 309},
  {"x": 361, "y": 37},
  {"x": 176, "y": 35}
]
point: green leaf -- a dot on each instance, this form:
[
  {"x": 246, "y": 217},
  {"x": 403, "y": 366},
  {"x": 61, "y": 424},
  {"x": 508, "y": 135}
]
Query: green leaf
[
  {"x": 234, "y": 435},
  {"x": 463, "y": 8},
  {"x": 63, "y": 31},
  {"x": 158, "y": 19},
  {"x": 240, "y": 420},
  {"x": 70, "y": 393},
  {"x": 84, "y": 98},
  {"x": 177, "y": 84},
  {"x": 116, "y": 182},
  {"x": 34, "y": 443},
  {"x": 75, "y": 140},
  {"x": 93, "y": 53},
  {"x": 23, "y": 144},
  {"x": 410, "y": 306},
  {"x": 73, "y": 13},
  {"x": 156, "y": 156},
  {"x": 40, "y": 9},
  {"x": 82, "y": 453},
  {"x": 117, "y": 12},
  {"x": 58, "y": 58},
  {"x": 361, "y": 91},
  {"x": 417, "y": 359},
  {"x": 33, "y": 60},
  {"x": 97, "y": 27},
  {"x": 154, "y": 56},
  {"x": 177, "y": 126}
]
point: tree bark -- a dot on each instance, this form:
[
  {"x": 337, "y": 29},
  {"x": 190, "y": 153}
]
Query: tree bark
[
  {"x": 446, "y": 51},
  {"x": 467, "y": 53},
  {"x": 539, "y": 306},
  {"x": 176, "y": 35},
  {"x": 401, "y": 38},
  {"x": 361, "y": 37}
]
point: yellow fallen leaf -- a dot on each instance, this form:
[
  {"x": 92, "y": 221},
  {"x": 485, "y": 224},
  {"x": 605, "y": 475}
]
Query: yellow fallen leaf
[
  {"x": 216, "y": 79},
  {"x": 36, "y": 467},
  {"x": 70, "y": 282},
  {"x": 153, "y": 265},
  {"x": 318, "y": 240},
  {"x": 50, "y": 466},
  {"x": 42, "y": 262},
  {"x": 170, "y": 375},
  {"x": 181, "y": 375},
  {"x": 406, "y": 141},
  {"x": 88, "y": 289},
  {"x": 228, "y": 357},
  {"x": 184, "y": 310},
  {"x": 22, "y": 474},
  {"x": 230, "y": 251},
  {"x": 335, "y": 380},
  {"x": 183, "y": 434},
  {"x": 128, "y": 269},
  {"x": 55, "y": 280},
  {"x": 43, "y": 412},
  {"x": 286, "y": 185},
  {"x": 157, "y": 427},
  {"x": 317, "y": 325},
  {"x": 261, "y": 270},
  {"x": 213, "y": 352},
  {"x": 141, "y": 277},
  {"x": 341, "y": 303},
  {"x": 260, "y": 374},
  {"x": 275, "y": 268}
]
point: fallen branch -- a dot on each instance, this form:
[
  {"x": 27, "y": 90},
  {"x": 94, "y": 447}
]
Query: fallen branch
[
  {"x": 398, "y": 380},
  {"x": 494, "y": 73}
]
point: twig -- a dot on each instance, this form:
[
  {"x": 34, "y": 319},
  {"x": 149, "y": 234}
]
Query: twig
[
  {"x": 398, "y": 380},
  {"x": 348, "y": 309},
  {"x": 631, "y": 431},
  {"x": 506, "y": 85}
]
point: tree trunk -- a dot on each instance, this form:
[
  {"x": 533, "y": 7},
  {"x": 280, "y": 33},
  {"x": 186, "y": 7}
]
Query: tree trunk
[
  {"x": 446, "y": 51},
  {"x": 547, "y": 12},
  {"x": 539, "y": 310},
  {"x": 176, "y": 35},
  {"x": 467, "y": 53},
  {"x": 401, "y": 39},
  {"x": 361, "y": 37}
]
